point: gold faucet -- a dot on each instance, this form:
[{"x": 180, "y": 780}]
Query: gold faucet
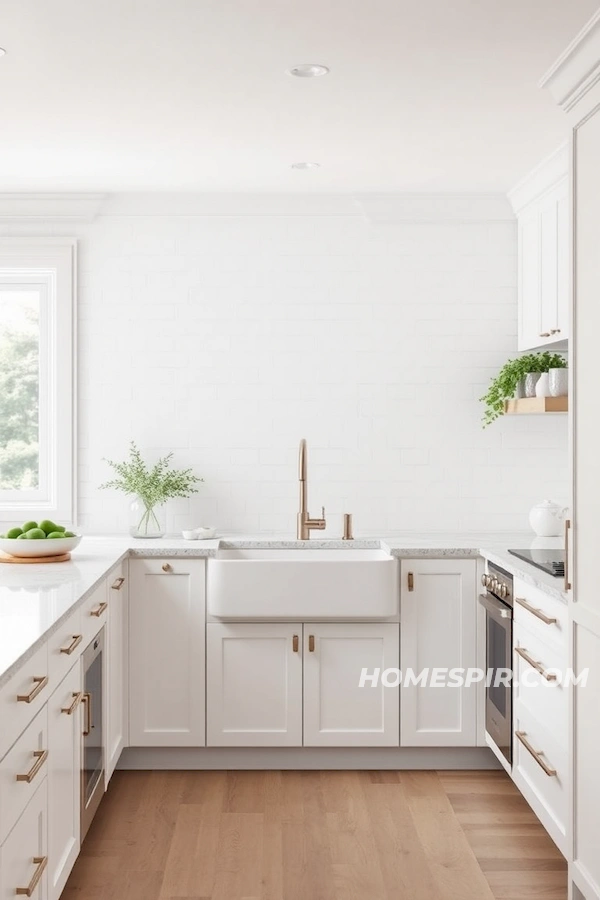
[{"x": 305, "y": 523}]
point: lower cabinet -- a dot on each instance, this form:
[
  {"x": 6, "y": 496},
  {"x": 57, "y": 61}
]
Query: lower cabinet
[
  {"x": 438, "y": 616},
  {"x": 116, "y": 668},
  {"x": 288, "y": 685},
  {"x": 254, "y": 678},
  {"x": 64, "y": 779},
  {"x": 338, "y": 712},
  {"x": 167, "y": 653},
  {"x": 24, "y": 854}
]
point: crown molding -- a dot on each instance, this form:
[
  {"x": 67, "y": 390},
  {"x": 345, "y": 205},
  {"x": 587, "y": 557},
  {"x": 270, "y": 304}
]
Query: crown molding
[
  {"x": 50, "y": 207},
  {"x": 546, "y": 175},
  {"x": 390, "y": 209},
  {"x": 577, "y": 70}
]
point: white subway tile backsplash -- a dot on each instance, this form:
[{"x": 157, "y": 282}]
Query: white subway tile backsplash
[{"x": 228, "y": 339}]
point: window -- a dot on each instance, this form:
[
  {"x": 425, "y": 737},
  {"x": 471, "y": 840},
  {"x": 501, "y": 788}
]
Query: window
[{"x": 37, "y": 458}]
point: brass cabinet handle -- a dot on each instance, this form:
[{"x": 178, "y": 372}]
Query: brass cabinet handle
[
  {"x": 411, "y": 581},
  {"x": 102, "y": 608},
  {"x": 166, "y": 567},
  {"x": 555, "y": 331},
  {"x": 87, "y": 699},
  {"x": 549, "y": 676},
  {"x": 295, "y": 643},
  {"x": 40, "y": 758},
  {"x": 40, "y": 682},
  {"x": 537, "y": 754},
  {"x": 567, "y": 582},
  {"x": 77, "y": 698},
  {"x": 117, "y": 584},
  {"x": 548, "y": 620},
  {"x": 311, "y": 643},
  {"x": 77, "y": 639},
  {"x": 41, "y": 862},
  {"x": 544, "y": 334}
]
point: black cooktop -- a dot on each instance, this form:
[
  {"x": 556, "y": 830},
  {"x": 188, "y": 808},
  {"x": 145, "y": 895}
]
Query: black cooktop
[{"x": 550, "y": 561}]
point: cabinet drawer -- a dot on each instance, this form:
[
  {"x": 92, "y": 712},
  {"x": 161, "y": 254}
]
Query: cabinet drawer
[
  {"x": 545, "y": 697},
  {"x": 94, "y": 613},
  {"x": 533, "y": 608},
  {"x": 545, "y": 791},
  {"x": 64, "y": 648},
  {"x": 22, "y": 770},
  {"x": 24, "y": 854},
  {"x": 23, "y": 697}
]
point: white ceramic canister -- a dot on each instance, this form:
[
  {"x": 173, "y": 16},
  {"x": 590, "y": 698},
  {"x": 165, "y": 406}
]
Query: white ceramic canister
[
  {"x": 542, "y": 388},
  {"x": 559, "y": 382},
  {"x": 547, "y": 518}
]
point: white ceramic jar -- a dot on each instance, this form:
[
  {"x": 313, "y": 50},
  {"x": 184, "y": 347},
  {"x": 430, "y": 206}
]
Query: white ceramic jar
[
  {"x": 547, "y": 518},
  {"x": 559, "y": 382}
]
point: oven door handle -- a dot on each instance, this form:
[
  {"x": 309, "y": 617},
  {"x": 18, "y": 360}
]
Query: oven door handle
[{"x": 498, "y": 609}]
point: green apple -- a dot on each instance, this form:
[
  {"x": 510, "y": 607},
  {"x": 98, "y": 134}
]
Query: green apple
[
  {"x": 69, "y": 534},
  {"x": 22, "y": 537},
  {"x": 13, "y": 533},
  {"x": 47, "y": 526},
  {"x": 36, "y": 534},
  {"x": 28, "y": 526},
  {"x": 54, "y": 535}
]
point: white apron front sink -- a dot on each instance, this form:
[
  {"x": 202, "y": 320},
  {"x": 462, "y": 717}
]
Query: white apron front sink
[{"x": 302, "y": 583}]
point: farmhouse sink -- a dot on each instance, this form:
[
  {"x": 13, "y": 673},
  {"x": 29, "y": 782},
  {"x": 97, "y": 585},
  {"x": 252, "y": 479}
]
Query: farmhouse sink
[{"x": 302, "y": 583}]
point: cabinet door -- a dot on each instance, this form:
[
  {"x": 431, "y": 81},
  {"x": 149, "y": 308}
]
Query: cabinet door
[
  {"x": 64, "y": 779},
  {"x": 254, "y": 685},
  {"x": 116, "y": 692},
  {"x": 529, "y": 279},
  {"x": 166, "y": 653},
  {"x": 438, "y": 615},
  {"x": 24, "y": 854},
  {"x": 338, "y": 712}
]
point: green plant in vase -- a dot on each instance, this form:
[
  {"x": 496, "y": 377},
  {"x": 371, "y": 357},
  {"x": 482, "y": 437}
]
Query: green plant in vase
[
  {"x": 504, "y": 386},
  {"x": 152, "y": 486}
]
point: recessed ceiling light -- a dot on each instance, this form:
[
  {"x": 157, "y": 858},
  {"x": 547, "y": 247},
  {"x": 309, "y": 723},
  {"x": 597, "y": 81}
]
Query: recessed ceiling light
[
  {"x": 308, "y": 70},
  {"x": 2, "y": 51},
  {"x": 306, "y": 165}
]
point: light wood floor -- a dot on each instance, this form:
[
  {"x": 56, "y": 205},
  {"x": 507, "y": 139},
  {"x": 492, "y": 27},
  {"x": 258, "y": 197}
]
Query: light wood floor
[{"x": 316, "y": 836}]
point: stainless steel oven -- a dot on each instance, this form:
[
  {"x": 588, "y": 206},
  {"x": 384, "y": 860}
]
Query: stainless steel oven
[
  {"x": 92, "y": 758},
  {"x": 498, "y": 604}
]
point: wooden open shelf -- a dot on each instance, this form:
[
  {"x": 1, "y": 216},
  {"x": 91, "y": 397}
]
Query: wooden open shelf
[{"x": 536, "y": 405}]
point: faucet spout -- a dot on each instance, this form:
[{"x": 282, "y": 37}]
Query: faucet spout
[{"x": 304, "y": 523}]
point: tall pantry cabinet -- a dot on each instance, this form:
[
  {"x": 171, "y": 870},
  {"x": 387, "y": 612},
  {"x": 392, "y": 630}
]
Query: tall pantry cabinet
[{"x": 574, "y": 82}]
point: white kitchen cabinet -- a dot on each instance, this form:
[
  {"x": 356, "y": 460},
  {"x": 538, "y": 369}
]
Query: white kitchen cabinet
[
  {"x": 337, "y": 711},
  {"x": 64, "y": 779},
  {"x": 116, "y": 668},
  {"x": 166, "y": 653},
  {"x": 254, "y": 696},
  {"x": 438, "y": 630},
  {"x": 541, "y": 202},
  {"x": 24, "y": 853}
]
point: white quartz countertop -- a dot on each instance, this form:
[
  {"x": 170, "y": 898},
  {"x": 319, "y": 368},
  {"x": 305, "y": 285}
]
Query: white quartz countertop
[{"x": 35, "y": 599}]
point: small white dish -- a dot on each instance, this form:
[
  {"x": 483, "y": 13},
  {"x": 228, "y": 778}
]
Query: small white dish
[
  {"x": 206, "y": 532},
  {"x": 189, "y": 535}
]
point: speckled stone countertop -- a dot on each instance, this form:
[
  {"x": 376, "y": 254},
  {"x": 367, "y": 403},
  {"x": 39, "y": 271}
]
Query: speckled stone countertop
[{"x": 36, "y": 599}]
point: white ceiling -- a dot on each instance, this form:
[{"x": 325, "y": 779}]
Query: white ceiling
[{"x": 423, "y": 95}]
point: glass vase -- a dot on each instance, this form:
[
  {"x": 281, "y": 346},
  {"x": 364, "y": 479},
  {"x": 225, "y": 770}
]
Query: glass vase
[{"x": 146, "y": 521}]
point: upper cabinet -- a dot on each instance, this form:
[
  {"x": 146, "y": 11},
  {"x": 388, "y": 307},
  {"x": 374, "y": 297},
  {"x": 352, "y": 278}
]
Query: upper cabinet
[{"x": 541, "y": 203}]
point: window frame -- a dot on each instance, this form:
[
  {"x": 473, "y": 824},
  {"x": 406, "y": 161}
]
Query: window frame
[{"x": 51, "y": 262}]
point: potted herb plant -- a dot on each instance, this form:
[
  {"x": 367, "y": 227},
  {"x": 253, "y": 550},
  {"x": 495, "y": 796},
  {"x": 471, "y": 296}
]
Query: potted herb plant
[
  {"x": 507, "y": 382},
  {"x": 152, "y": 487}
]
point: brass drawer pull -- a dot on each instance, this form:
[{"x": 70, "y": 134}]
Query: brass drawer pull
[
  {"x": 41, "y": 862},
  {"x": 117, "y": 584},
  {"x": 77, "y": 639},
  {"x": 87, "y": 699},
  {"x": 311, "y": 643},
  {"x": 549, "y": 676},
  {"x": 295, "y": 643},
  {"x": 548, "y": 620},
  {"x": 166, "y": 567},
  {"x": 537, "y": 754},
  {"x": 102, "y": 608},
  {"x": 40, "y": 758},
  {"x": 77, "y": 698},
  {"x": 411, "y": 581},
  {"x": 567, "y": 582},
  {"x": 40, "y": 682}
]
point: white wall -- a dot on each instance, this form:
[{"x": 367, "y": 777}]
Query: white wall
[{"x": 228, "y": 338}]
